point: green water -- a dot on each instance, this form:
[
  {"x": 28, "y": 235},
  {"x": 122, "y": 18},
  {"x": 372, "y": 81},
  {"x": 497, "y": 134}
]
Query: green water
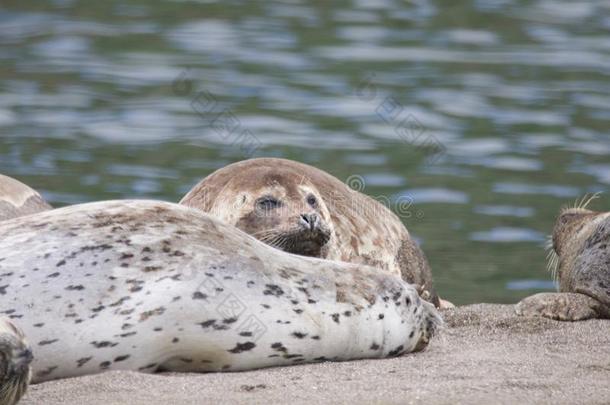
[{"x": 487, "y": 115}]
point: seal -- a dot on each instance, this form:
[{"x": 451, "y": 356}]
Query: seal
[
  {"x": 17, "y": 199},
  {"x": 301, "y": 209},
  {"x": 579, "y": 258},
  {"x": 153, "y": 286},
  {"x": 15, "y": 359}
]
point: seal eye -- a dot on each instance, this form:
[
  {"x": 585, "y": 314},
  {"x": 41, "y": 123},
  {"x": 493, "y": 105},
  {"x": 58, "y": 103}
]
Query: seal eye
[
  {"x": 267, "y": 203},
  {"x": 311, "y": 200}
]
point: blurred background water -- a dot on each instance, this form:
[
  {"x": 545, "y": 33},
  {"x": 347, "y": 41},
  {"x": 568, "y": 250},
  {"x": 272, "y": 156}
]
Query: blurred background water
[{"x": 488, "y": 115}]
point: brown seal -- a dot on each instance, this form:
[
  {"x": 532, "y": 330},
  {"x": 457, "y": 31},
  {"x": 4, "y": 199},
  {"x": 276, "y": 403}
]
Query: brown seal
[
  {"x": 17, "y": 199},
  {"x": 580, "y": 261},
  {"x": 300, "y": 209}
]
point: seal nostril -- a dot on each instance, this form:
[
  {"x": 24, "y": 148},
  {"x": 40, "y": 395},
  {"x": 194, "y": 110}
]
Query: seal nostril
[{"x": 309, "y": 220}]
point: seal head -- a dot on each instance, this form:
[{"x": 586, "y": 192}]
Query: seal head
[
  {"x": 15, "y": 359},
  {"x": 579, "y": 259},
  {"x": 279, "y": 209},
  {"x": 17, "y": 199}
]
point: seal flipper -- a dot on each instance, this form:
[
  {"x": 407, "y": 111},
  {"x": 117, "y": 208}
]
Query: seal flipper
[
  {"x": 432, "y": 323},
  {"x": 561, "y": 307}
]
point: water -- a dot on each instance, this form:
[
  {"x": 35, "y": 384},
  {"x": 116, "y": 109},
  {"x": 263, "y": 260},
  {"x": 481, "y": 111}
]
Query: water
[{"x": 487, "y": 115}]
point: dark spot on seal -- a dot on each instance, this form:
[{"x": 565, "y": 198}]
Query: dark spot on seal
[
  {"x": 103, "y": 344},
  {"x": 279, "y": 347},
  {"x": 121, "y": 358},
  {"x": 52, "y": 275},
  {"x": 408, "y": 301},
  {"x": 272, "y": 289},
  {"x": 38, "y": 325},
  {"x": 374, "y": 346},
  {"x": 316, "y": 337},
  {"x": 198, "y": 295},
  {"x": 147, "y": 314},
  {"x": 245, "y": 334},
  {"x": 396, "y": 351},
  {"x": 47, "y": 342},
  {"x": 299, "y": 335},
  {"x": 207, "y": 324},
  {"x": 175, "y": 340},
  {"x": 381, "y": 316},
  {"x": 229, "y": 320},
  {"x": 242, "y": 347},
  {"x": 3, "y": 289},
  {"x": 347, "y": 313},
  {"x": 104, "y": 365},
  {"x": 75, "y": 287},
  {"x": 61, "y": 263},
  {"x": 82, "y": 361},
  {"x": 335, "y": 317},
  {"x": 298, "y": 311}
]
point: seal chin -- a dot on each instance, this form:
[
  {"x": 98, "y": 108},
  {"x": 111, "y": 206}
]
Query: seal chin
[{"x": 304, "y": 242}]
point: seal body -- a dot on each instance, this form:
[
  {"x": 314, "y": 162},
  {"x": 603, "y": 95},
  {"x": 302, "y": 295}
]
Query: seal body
[
  {"x": 149, "y": 286},
  {"x": 17, "y": 199},
  {"x": 15, "y": 359},
  {"x": 353, "y": 227},
  {"x": 581, "y": 263}
]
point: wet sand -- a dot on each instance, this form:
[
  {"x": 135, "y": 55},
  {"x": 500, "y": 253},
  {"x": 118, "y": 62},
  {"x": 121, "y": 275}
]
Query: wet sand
[{"x": 485, "y": 354}]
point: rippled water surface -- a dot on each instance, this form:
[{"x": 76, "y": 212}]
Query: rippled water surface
[{"x": 488, "y": 115}]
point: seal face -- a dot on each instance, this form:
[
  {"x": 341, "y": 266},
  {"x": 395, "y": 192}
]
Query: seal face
[
  {"x": 276, "y": 210},
  {"x": 17, "y": 199},
  {"x": 352, "y": 226},
  {"x": 579, "y": 259},
  {"x": 148, "y": 286},
  {"x": 15, "y": 359}
]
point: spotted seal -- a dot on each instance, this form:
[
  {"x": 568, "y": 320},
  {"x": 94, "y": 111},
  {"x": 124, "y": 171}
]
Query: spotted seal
[
  {"x": 151, "y": 286},
  {"x": 301, "y": 209},
  {"x": 17, "y": 199},
  {"x": 15, "y": 359},
  {"x": 580, "y": 261}
]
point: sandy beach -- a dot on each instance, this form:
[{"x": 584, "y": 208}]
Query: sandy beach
[{"x": 485, "y": 354}]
